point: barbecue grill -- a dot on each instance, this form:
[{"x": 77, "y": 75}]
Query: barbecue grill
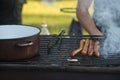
[{"x": 52, "y": 63}]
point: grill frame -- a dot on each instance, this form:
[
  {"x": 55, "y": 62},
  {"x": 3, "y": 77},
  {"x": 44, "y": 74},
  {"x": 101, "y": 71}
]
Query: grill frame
[{"x": 59, "y": 57}]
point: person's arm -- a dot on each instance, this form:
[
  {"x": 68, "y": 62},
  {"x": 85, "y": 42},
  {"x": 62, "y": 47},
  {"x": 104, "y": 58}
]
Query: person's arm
[
  {"x": 84, "y": 17},
  {"x": 87, "y": 46}
]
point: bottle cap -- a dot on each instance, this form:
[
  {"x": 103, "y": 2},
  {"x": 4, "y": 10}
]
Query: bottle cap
[{"x": 44, "y": 25}]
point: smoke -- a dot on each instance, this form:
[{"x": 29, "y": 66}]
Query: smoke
[
  {"x": 107, "y": 18},
  {"x": 49, "y": 1}
]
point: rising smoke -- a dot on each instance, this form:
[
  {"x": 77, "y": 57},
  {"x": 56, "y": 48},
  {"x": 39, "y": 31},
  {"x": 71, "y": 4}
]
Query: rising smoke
[
  {"x": 50, "y": 1},
  {"x": 107, "y": 17}
]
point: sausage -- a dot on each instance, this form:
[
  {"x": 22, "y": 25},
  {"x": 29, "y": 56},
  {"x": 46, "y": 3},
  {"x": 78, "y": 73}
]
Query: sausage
[
  {"x": 90, "y": 51},
  {"x": 75, "y": 52},
  {"x": 84, "y": 52},
  {"x": 82, "y": 42},
  {"x": 96, "y": 52},
  {"x": 87, "y": 45}
]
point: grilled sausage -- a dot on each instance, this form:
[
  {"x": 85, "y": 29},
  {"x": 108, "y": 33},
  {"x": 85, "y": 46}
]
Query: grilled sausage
[
  {"x": 75, "y": 52},
  {"x": 84, "y": 52},
  {"x": 90, "y": 51},
  {"x": 96, "y": 52}
]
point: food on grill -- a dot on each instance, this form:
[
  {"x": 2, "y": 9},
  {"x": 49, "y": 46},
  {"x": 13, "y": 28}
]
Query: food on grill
[
  {"x": 91, "y": 48},
  {"x": 72, "y": 60},
  {"x": 96, "y": 52},
  {"x": 84, "y": 51},
  {"x": 75, "y": 52},
  {"x": 82, "y": 42},
  {"x": 87, "y": 46}
]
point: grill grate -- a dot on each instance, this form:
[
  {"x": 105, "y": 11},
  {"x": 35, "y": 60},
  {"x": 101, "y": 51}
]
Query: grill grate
[
  {"x": 59, "y": 57},
  {"x": 67, "y": 46}
]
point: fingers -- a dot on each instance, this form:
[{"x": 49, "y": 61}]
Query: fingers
[
  {"x": 75, "y": 52},
  {"x": 91, "y": 48},
  {"x": 84, "y": 51},
  {"x": 96, "y": 52}
]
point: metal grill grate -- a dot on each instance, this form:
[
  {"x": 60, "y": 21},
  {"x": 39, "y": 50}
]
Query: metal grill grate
[
  {"x": 68, "y": 45},
  {"x": 59, "y": 57}
]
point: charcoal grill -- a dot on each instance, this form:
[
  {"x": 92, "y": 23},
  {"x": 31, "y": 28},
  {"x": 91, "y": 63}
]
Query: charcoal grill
[{"x": 54, "y": 65}]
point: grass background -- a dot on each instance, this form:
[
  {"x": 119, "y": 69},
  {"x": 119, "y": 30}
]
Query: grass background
[{"x": 36, "y": 12}]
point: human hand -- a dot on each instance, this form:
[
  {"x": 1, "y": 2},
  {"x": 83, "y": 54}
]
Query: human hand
[{"x": 87, "y": 46}]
